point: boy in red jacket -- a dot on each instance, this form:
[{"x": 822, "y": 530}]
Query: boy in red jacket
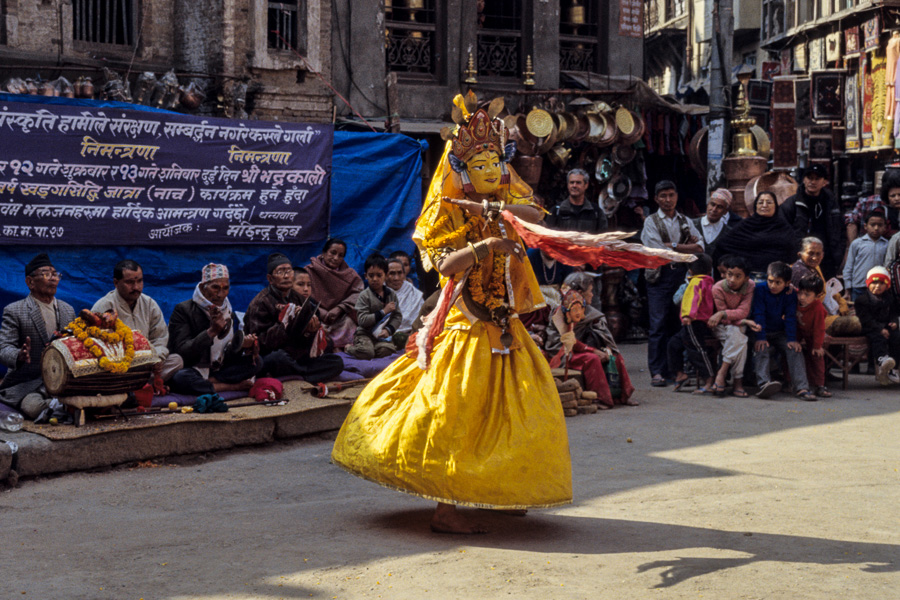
[{"x": 811, "y": 331}]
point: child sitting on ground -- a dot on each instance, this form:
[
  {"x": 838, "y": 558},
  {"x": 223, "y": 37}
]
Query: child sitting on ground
[
  {"x": 775, "y": 311},
  {"x": 732, "y": 297},
  {"x": 696, "y": 309},
  {"x": 877, "y": 312},
  {"x": 377, "y": 315},
  {"x": 573, "y": 322},
  {"x": 865, "y": 252},
  {"x": 314, "y": 333},
  {"x": 811, "y": 331}
]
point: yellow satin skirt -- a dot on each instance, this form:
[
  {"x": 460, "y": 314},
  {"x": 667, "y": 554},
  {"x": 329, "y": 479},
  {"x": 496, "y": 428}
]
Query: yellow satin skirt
[{"x": 478, "y": 428}]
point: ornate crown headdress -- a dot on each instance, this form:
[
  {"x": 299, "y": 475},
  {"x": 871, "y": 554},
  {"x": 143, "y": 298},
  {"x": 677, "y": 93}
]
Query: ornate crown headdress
[{"x": 478, "y": 131}]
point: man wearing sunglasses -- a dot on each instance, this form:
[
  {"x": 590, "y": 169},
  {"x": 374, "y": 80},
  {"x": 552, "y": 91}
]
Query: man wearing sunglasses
[{"x": 28, "y": 326}]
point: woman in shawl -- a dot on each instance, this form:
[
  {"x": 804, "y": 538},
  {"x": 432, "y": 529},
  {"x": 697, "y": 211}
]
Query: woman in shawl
[
  {"x": 470, "y": 416},
  {"x": 763, "y": 238},
  {"x": 336, "y": 286},
  {"x": 580, "y": 339}
]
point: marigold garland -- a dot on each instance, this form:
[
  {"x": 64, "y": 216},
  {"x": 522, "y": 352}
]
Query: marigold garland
[
  {"x": 122, "y": 333},
  {"x": 493, "y": 296}
]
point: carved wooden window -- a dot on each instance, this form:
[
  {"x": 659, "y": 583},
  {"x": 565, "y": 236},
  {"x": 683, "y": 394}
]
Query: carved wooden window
[
  {"x": 286, "y": 25},
  {"x": 412, "y": 38},
  {"x": 500, "y": 40},
  {"x": 578, "y": 29},
  {"x": 104, "y": 21}
]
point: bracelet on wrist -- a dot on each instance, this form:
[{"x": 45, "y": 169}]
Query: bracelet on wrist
[{"x": 474, "y": 252}]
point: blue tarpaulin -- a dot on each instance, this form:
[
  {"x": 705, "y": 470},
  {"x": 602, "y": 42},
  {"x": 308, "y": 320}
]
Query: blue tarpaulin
[{"x": 375, "y": 198}]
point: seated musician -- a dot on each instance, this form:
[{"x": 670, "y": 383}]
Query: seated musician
[
  {"x": 217, "y": 356},
  {"x": 287, "y": 327},
  {"x": 140, "y": 312},
  {"x": 28, "y": 326}
]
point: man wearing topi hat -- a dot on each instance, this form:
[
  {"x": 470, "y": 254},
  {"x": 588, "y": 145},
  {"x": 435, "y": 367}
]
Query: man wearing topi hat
[
  {"x": 28, "y": 326},
  {"x": 217, "y": 356}
]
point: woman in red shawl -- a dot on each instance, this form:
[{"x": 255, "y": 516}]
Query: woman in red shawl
[{"x": 336, "y": 286}]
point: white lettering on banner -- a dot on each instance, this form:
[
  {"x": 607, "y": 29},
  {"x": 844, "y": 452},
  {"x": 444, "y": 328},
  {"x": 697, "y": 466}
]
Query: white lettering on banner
[
  {"x": 251, "y": 232},
  {"x": 235, "y": 154},
  {"x": 310, "y": 177},
  {"x": 251, "y": 179},
  {"x": 227, "y": 194},
  {"x": 165, "y": 232},
  {"x": 133, "y": 210},
  {"x": 83, "y": 122},
  {"x": 287, "y": 231},
  {"x": 278, "y": 215},
  {"x": 40, "y": 119}
]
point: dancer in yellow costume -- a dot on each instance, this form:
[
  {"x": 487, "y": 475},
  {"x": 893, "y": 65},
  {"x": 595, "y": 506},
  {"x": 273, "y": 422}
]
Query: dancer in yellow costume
[{"x": 471, "y": 415}]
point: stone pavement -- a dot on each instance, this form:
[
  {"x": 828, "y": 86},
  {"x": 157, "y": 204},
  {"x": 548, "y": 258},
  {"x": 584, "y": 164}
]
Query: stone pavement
[
  {"x": 682, "y": 497},
  {"x": 144, "y": 437}
]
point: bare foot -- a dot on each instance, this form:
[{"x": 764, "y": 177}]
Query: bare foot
[
  {"x": 630, "y": 402},
  {"x": 447, "y": 519}
]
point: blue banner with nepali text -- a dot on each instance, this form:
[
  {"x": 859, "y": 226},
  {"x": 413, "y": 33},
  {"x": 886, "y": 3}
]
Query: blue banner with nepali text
[{"x": 76, "y": 175}]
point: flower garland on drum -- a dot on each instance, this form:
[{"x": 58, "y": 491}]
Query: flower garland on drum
[{"x": 84, "y": 333}]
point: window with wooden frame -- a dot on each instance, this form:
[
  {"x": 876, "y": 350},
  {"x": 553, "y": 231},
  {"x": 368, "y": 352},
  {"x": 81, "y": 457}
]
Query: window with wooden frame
[
  {"x": 501, "y": 44},
  {"x": 579, "y": 24},
  {"x": 286, "y": 26},
  {"x": 413, "y": 37},
  {"x": 104, "y": 21}
]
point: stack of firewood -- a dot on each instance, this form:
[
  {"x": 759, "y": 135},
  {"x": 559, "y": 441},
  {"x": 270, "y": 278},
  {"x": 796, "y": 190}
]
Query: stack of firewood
[{"x": 575, "y": 401}]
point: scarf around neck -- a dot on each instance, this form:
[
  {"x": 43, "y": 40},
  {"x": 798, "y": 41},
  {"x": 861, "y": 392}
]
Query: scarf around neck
[{"x": 219, "y": 343}]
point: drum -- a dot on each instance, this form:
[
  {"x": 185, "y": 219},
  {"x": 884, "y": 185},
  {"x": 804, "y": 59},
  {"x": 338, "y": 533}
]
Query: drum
[{"x": 70, "y": 369}]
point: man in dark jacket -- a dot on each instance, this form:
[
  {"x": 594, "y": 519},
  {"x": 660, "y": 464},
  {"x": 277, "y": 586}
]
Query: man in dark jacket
[
  {"x": 217, "y": 356},
  {"x": 577, "y": 213},
  {"x": 813, "y": 211},
  {"x": 288, "y": 328}
]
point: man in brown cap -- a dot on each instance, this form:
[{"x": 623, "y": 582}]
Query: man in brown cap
[{"x": 28, "y": 326}]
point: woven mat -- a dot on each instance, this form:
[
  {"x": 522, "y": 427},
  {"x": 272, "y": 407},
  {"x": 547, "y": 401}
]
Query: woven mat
[{"x": 298, "y": 393}]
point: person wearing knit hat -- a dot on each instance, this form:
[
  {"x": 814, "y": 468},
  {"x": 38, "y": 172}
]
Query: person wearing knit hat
[
  {"x": 877, "y": 312},
  {"x": 276, "y": 259},
  {"x": 287, "y": 326},
  {"x": 28, "y": 327},
  {"x": 877, "y": 274},
  {"x": 217, "y": 356}
]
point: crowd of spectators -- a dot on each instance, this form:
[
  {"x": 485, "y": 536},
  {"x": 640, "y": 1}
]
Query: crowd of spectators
[{"x": 773, "y": 283}]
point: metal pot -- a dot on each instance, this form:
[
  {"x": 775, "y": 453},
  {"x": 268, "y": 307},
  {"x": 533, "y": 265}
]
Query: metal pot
[
  {"x": 582, "y": 128},
  {"x": 599, "y": 123},
  {"x": 603, "y": 170},
  {"x": 609, "y": 136},
  {"x": 619, "y": 187},
  {"x": 637, "y": 131},
  {"x": 559, "y": 155},
  {"x": 622, "y": 153}
]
